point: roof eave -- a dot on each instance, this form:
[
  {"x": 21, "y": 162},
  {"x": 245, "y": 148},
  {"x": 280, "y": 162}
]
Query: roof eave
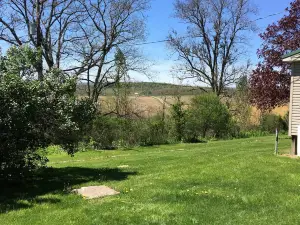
[
  {"x": 292, "y": 56},
  {"x": 291, "y": 59}
]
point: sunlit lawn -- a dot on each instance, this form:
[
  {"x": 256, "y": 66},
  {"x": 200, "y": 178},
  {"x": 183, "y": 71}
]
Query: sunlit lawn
[{"x": 223, "y": 182}]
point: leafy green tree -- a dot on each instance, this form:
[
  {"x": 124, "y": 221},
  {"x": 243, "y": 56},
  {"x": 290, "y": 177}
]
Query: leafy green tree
[
  {"x": 179, "y": 117},
  {"x": 270, "y": 122},
  {"x": 35, "y": 114},
  {"x": 207, "y": 115},
  {"x": 21, "y": 61}
]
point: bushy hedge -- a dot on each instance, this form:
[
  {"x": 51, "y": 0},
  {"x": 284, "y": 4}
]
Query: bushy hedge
[
  {"x": 35, "y": 114},
  {"x": 270, "y": 122},
  {"x": 206, "y": 117},
  {"x": 111, "y": 132}
]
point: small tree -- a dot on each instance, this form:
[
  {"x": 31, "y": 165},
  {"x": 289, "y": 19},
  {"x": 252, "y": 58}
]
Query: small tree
[
  {"x": 207, "y": 115},
  {"x": 35, "y": 114},
  {"x": 270, "y": 122},
  {"x": 179, "y": 117}
]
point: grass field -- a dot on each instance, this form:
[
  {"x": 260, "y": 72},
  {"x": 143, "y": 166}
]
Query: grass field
[{"x": 222, "y": 182}]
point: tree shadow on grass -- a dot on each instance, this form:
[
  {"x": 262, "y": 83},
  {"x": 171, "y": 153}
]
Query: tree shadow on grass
[{"x": 26, "y": 193}]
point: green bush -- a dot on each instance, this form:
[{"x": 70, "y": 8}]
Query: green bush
[
  {"x": 253, "y": 133},
  {"x": 109, "y": 132},
  {"x": 33, "y": 115},
  {"x": 178, "y": 115},
  {"x": 154, "y": 132},
  {"x": 129, "y": 132},
  {"x": 52, "y": 150},
  {"x": 207, "y": 117},
  {"x": 269, "y": 123},
  {"x": 105, "y": 131}
]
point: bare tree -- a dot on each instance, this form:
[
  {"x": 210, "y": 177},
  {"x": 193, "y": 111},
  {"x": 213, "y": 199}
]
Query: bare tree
[
  {"x": 213, "y": 49},
  {"x": 78, "y": 36},
  {"x": 49, "y": 26},
  {"x": 110, "y": 25}
]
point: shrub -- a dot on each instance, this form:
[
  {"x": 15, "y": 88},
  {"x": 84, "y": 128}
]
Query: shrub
[
  {"x": 83, "y": 114},
  {"x": 253, "y": 133},
  {"x": 52, "y": 150},
  {"x": 130, "y": 130},
  {"x": 269, "y": 123},
  {"x": 206, "y": 117},
  {"x": 33, "y": 115},
  {"x": 155, "y": 131},
  {"x": 285, "y": 119},
  {"x": 110, "y": 132},
  {"x": 105, "y": 131},
  {"x": 178, "y": 114}
]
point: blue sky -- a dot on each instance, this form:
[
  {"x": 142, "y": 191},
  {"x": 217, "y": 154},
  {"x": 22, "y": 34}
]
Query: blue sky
[{"x": 160, "y": 22}]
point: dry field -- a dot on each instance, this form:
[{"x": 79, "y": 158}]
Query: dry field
[
  {"x": 281, "y": 111},
  {"x": 151, "y": 105},
  {"x": 143, "y": 105}
]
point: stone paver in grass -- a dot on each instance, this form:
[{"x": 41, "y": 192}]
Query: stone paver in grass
[
  {"x": 96, "y": 191},
  {"x": 123, "y": 166}
]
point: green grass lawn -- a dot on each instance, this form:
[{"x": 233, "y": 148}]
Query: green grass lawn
[{"x": 222, "y": 182}]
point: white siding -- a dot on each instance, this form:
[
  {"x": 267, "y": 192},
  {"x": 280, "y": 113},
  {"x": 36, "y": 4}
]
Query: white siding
[{"x": 295, "y": 100}]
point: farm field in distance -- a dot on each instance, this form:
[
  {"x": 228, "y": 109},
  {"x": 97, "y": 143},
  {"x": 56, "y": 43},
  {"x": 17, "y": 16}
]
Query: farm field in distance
[
  {"x": 149, "y": 98},
  {"x": 220, "y": 182},
  {"x": 151, "y": 105}
]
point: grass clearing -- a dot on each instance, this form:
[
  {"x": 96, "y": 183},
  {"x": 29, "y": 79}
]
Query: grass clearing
[{"x": 222, "y": 182}]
